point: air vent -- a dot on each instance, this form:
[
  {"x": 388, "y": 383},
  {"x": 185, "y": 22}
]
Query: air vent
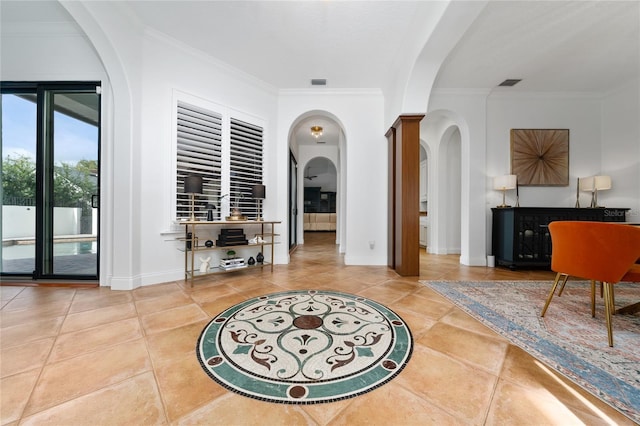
[
  {"x": 321, "y": 142},
  {"x": 318, "y": 81},
  {"x": 510, "y": 82}
]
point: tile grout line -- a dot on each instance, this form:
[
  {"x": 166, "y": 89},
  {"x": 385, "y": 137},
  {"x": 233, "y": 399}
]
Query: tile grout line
[
  {"x": 45, "y": 363},
  {"x": 153, "y": 366}
]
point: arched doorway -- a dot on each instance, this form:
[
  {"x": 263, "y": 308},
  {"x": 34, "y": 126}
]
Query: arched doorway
[{"x": 320, "y": 160}]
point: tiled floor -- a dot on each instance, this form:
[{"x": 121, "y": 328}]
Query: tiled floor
[{"x": 100, "y": 357}]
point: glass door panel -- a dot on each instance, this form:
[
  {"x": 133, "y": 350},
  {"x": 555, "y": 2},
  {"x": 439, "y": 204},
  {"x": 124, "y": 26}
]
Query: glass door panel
[
  {"x": 75, "y": 183},
  {"x": 18, "y": 149}
]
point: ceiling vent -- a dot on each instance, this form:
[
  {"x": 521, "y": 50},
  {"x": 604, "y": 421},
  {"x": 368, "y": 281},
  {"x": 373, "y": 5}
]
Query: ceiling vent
[
  {"x": 321, "y": 141},
  {"x": 318, "y": 81},
  {"x": 510, "y": 82}
]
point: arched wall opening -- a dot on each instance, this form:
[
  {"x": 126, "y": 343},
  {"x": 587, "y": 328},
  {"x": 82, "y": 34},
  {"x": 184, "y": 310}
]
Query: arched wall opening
[
  {"x": 445, "y": 137},
  {"x": 451, "y": 196},
  {"x": 308, "y": 150},
  {"x": 425, "y": 158}
]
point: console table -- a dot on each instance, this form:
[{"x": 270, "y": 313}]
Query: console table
[
  {"x": 520, "y": 237},
  {"x": 197, "y": 232}
]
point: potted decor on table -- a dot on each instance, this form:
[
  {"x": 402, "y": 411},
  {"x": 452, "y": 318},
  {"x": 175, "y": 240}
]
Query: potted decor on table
[
  {"x": 231, "y": 261},
  {"x": 235, "y": 214}
]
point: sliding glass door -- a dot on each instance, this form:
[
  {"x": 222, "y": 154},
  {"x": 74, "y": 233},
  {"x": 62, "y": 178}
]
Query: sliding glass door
[{"x": 50, "y": 180}]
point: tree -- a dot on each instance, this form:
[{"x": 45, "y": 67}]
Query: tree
[
  {"x": 73, "y": 184},
  {"x": 18, "y": 180}
]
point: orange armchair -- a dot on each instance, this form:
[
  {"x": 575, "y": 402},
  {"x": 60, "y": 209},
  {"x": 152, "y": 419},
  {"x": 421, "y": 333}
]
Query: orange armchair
[{"x": 596, "y": 251}]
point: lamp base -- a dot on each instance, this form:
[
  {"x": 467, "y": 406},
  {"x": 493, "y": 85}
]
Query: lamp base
[{"x": 193, "y": 217}]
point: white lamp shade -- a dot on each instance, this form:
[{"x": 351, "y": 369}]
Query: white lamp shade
[
  {"x": 505, "y": 182},
  {"x": 586, "y": 184},
  {"x": 591, "y": 183},
  {"x": 602, "y": 182}
]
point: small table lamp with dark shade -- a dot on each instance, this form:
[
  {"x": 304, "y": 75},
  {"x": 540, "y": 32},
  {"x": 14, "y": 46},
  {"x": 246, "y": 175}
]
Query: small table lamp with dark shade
[
  {"x": 193, "y": 186},
  {"x": 258, "y": 192}
]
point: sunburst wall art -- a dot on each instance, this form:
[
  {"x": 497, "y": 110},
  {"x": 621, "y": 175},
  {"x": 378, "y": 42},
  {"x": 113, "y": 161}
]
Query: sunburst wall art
[{"x": 540, "y": 157}]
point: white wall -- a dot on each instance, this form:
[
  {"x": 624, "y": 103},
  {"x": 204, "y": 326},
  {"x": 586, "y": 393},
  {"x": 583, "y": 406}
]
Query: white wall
[
  {"x": 604, "y": 139},
  {"x": 581, "y": 114},
  {"x": 464, "y": 110},
  {"x": 620, "y": 149},
  {"x": 360, "y": 114},
  {"x": 18, "y": 222},
  {"x": 195, "y": 78},
  {"x": 454, "y": 187},
  {"x": 49, "y": 52}
]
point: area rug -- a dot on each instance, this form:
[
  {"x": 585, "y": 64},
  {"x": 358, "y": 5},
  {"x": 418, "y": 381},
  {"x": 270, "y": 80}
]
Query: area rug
[
  {"x": 567, "y": 339},
  {"x": 304, "y": 347}
]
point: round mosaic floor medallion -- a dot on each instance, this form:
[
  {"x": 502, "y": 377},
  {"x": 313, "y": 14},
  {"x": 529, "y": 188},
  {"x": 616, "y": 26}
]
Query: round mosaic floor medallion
[{"x": 305, "y": 347}]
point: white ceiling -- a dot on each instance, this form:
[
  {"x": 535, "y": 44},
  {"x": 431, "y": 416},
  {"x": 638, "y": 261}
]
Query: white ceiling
[
  {"x": 352, "y": 44},
  {"x": 555, "y": 46},
  {"x": 552, "y": 45}
]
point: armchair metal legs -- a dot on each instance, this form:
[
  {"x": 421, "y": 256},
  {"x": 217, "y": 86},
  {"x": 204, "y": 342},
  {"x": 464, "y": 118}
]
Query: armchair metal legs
[
  {"x": 553, "y": 290},
  {"x": 608, "y": 309},
  {"x": 562, "y": 283}
]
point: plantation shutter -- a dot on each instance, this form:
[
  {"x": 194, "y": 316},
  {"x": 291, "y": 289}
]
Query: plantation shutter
[
  {"x": 245, "y": 164},
  {"x": 199, "y": 152}
]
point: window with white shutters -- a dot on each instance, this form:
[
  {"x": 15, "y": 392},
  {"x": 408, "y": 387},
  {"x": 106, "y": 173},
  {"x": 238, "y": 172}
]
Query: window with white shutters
[
  {"x": 226, "y": 152},
  {"x": 245, "y": 164},
  {"x": 199, "y": 152}
]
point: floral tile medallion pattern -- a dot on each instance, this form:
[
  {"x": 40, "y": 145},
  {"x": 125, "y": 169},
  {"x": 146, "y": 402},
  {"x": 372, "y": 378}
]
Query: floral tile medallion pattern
[{"x": 305, "y": 347}]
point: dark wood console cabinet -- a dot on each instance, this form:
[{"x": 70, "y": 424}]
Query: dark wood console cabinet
[{"x": 520, "y": 237}]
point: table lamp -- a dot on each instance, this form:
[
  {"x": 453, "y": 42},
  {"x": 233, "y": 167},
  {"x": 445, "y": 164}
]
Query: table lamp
[
  {"x": 600, "y": 183},
  {"x": 503, "y": 183},
  {"x": 193, "y": 186},
  {"x": 258, "y": 192},
  {"x": 593, "y": 184}
]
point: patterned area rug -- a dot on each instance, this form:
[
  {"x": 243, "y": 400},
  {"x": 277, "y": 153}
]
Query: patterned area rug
[
  {"x": 567, "y": 339},
  {"x": 304, "y": 347}
]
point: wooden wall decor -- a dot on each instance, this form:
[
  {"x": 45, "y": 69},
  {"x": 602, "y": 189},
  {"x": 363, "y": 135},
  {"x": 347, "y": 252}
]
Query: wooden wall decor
[{"x": 540, "y": 157}]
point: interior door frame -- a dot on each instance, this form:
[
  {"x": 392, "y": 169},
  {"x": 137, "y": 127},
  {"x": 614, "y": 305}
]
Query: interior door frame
[{"x": 293, "y": 202}]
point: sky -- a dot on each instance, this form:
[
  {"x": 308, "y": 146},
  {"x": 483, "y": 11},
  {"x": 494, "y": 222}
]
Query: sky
[{"x": 73, "y": 139}]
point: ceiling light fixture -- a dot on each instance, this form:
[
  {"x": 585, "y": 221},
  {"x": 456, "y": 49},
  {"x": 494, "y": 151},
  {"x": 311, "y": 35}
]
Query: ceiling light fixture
[{"x": 316, "y": 131}]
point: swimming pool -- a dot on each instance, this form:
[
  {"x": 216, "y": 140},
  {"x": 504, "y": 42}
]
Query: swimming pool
[{"x": 27, "y": 251}]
